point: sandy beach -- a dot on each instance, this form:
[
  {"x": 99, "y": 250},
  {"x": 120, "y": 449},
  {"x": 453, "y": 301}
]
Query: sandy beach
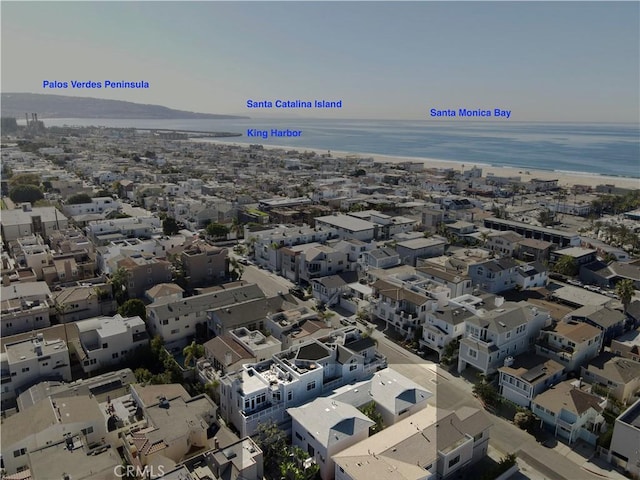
[{"x": 565, "y": 179}]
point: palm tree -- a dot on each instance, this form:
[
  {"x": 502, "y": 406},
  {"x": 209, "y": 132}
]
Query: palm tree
[
  {"x": 192, "y": 352},
  {"x": 625, "y": 292},
  {"x": 236, "y": 268},
  {"x": 484, "y": 236},
  {"x": 119, "y": 280}
]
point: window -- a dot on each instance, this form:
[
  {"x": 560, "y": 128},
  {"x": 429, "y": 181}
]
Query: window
[
  {"x": 26, "y": 369},
  {"x": 87, "y": 431},
  {"x": 18, "y": 453},
  {"x": 105, "y": 345},
  {"x": 114, "y": 355},
  {"x": 174, "y": 331},
  {"x": 164, "y": 322},
  {"x": 473, "y": 353},
  {"x": 289, "y": 395},
  {"x": 311, "y": 385},
  {"x": 353, "y": 367},
  {"x": 298, "y": 436},
  {"x": 453, "y": 461}
]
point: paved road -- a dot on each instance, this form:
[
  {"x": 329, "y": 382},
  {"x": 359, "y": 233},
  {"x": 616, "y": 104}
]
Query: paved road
[{"x": 452, "y": 392}]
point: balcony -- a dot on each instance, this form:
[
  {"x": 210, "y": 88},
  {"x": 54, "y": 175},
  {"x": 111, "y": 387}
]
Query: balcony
[
  {"x": 564, "y": 353},
  {"x": 564, "y": 424},
  {"x": 487, "y": 343}
]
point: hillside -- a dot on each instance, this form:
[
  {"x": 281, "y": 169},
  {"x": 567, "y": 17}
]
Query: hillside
[{"x": 62, "y": 106}]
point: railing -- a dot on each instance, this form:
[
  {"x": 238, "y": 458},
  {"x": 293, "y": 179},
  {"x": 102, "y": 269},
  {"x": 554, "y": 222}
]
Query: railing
[
  {"x": 488, "y": 343},
  {"x": 564, "y": 423},
  {"x": 262, "y": 412}
]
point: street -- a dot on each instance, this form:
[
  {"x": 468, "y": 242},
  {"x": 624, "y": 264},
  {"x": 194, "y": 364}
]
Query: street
[{"x": 452, "y": 392}]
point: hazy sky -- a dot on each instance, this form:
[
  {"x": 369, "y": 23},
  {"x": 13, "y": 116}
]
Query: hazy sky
[{"x": 575, "y": 61}]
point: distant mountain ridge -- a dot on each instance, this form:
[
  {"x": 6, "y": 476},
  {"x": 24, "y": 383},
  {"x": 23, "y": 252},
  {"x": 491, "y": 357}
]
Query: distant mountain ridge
[{"x": 63, "y": 106}]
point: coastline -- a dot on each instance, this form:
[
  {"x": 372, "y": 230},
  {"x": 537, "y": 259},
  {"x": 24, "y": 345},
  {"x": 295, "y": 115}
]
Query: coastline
[{"x": 565, "y": 178}]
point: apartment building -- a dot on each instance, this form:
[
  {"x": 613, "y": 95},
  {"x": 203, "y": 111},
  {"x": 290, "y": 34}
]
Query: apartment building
[
  {"x": 144, "y": 271},
  {"x": 76, "y": 420},
  {"x": 106, "y": 341},
  {"x": 204, "y": 264},
  {"x": 26, "y": 362},
  {"x": 296, "y": 325},
  {"x": 175, "y": 320},
  {"x": 458, "y": 284},
  {"x": 347, "y": 226},
  {"x": 402, "y": 308},
  {"x": 524, "y": 376},
  {"x": 227, "y": 353},
  {"x": 503, "y": 243},
  {"x": 495, "y": 275},
  {"x": 321, "y": 261},
  {"x": 176, "y": 425},
  {"x": 508, "y": 329},
  {"x": 445, "y": 323},
  {"x": 266, "y": 244},
  {"x": 265, "y": 390},
  {"x": 96, "y": 205},
  {"x": 620, "y": 376},
  {"x": 241, "y": 460},
  {"x": 251, "y": 313},
  {"x": 571, "y": 343},
  {"x": 431, "y": 444},
  {"x": 83, "y": 301},
  {"x": 325, "y": 427},
  {"x": 410, "y": 250},
  {"x": 628, "y": 345},
  {"x": 19, "y": 315},
  {"x": 570, "y": 412},
  {"x": 624, "y": 450},
  {"x": 104, "y": 231},
  {"x": 27, "y": 220}
]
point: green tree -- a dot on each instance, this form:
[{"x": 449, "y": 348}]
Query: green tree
[
  {"x": 237, "y": 269},
  {"x": 170, "y": 226},
  {"x": 25, "y": 193},
  {"x": 370, "y": 411},
  {"x": 217, "y": 230},
  {"x": 566, "y": 266},
  {"x": 132, "y": 308},
  {"x": 546, "y": 217},
  {"x": 525, "y": 420},
  {"x": 142, "y": 375},
  {"x": 293, "y": 467},
  {"x": 25, "y": 179},
  {"x": 273, "y": 443},
  {"x": 625, "y": 292},
  {"x": 119, "y": 280},
  {"x": 157, "y": 344},
  {"x": 78, "y": 198},
  {"x": 192, "y": 352},
  {"x": 487, "y": 393}
]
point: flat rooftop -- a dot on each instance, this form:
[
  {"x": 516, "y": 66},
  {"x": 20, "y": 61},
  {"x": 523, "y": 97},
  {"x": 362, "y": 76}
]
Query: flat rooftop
[{"x": 56, "y": 460}]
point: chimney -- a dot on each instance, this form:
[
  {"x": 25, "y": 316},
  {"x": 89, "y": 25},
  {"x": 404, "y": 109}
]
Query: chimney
[
  {"x": 216, "y": 443},
  {"x": 26, "y": 117},
  {"x": 6, "y": 281}
]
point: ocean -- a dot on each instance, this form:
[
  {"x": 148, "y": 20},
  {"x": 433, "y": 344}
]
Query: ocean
[{"x": 588, "y": 148}]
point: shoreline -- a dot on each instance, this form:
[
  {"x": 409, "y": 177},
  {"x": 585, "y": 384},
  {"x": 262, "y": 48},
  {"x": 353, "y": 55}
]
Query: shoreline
[{"x": 565, "y": 178}]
